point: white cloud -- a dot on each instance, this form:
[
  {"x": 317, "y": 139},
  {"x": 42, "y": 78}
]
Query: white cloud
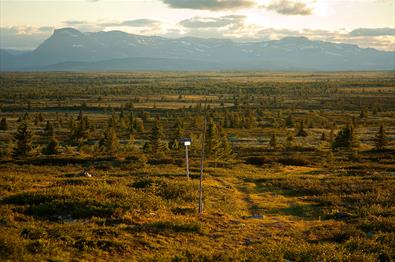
[
  {"x": 291, "y": 7},
  {"x": 212, "y": 5}
]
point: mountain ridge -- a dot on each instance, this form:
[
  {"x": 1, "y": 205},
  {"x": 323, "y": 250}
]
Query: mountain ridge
[{"x": 68, "y": 46}]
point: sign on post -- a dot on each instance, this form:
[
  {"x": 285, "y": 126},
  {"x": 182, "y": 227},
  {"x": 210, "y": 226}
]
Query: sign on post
[{"x": 187, "y": 142}]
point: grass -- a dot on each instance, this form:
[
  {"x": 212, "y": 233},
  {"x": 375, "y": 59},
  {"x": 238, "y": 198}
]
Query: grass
[
  {"x": 299, "y": 201},
  {"x": 121, "y": 214}
]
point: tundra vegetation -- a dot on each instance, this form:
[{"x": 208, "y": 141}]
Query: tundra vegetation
[{"x": 299, "y": 166}]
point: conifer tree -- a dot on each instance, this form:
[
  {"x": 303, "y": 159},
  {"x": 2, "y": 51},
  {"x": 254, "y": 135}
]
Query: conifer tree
[
  {"x": 40, "y": 117},
  {"x": 139, "y": 125},
  {"x": 23, "y": 139},
  {"x": 174, "y": 142},
  {"x": 212, "y": 140},
  {"x": 288, "y": 141},
  {"x": 156, "y": 137},
  {"x": 52, "y": 147},
  {"x": 289, "y": 121},
  {"x": 301, "y": 131},
  {"x": 380, "y": 139},
  {"x": 109, "y": 142},
  {"x": 345, "y": 138},
  {"x": 3, "y": 124},
  {"x": 323, "y": 136},
  {"x": 226, "y": 149},
  {"x": 49, "y": 130},
  {"x": 273, "y": 141}
]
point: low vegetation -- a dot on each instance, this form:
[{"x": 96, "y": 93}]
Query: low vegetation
[{"x": 298, "y": 167}]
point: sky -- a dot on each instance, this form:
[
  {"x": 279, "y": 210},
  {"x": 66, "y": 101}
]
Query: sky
[{"x": 24, "y": 24}]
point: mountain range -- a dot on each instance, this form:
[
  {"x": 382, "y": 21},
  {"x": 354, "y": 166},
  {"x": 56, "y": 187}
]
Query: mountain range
[{"x": 68, "y": 49}]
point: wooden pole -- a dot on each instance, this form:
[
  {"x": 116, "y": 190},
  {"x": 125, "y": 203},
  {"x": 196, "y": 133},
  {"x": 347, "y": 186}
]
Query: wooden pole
[
  {"x": 187, "y": 160},
  {"x": 201, "y": 168}
]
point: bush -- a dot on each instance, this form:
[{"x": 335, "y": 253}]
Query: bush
[
  {"x": 295, "y": 161},
  {"x": 258, "y": 160}
]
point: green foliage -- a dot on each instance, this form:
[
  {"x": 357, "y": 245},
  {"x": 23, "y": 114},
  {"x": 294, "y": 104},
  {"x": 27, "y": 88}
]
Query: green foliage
[
  {"x": 289, "y": 121},
  {"x": 380, "y": 139},
  {"x": 109, "y": 142},
  {"x": 52, "y": 147},
  {"x": 273, "y": 142},
  {"x": 301, "y": 132},
  {"x": 157, "y": 145},
  {"x": 3, "y": 124},
  {"x": 23, "y": 139},
  {"x": 213, "y": 143},
  {"x": 345, "y": 138},
  {"x": 174, "y": 143},
  {"x": 49, "y": 130}
]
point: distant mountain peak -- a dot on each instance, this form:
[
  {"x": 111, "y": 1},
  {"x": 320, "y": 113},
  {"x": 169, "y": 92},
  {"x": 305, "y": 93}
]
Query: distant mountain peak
[
  {"x": 295, "y": 39},
  {"x": 67, "y": 31},
  {"x": 119, "y": 50}
]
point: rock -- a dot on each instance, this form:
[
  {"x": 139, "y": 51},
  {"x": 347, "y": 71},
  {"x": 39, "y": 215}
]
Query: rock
[{"x": 86, "y": 174}]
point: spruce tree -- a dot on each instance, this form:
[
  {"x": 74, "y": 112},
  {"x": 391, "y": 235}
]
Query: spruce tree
[
  {"x": 109, "y": 142},
  {"x": 323, "y": 136},
  {"x": 156, "y": 137},
  {"x": 273, "y": 141},
  {"x": 226, "y": 149},
  {"x": 289, "y": 141},
  {"x": 289, "y": 121},
  {"x": 345, "y": 138},
  {"x": 52, "y": 147},
  {"x": 49, "y": 130},
  {"x": 212, "y": 140},
  {"x": 174, "y": 142},
  {"x": 3, "y": 124},
  {"x": 23, "y": 139},
  {"x": 380, "y": 139},
  {"x": 301, "y": 131}
]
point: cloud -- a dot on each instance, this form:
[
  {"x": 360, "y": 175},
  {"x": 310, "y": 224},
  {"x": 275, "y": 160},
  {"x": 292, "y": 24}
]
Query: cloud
[
  {"x": 46, "y": 29},
  {"x": 134, "y": 23},
  {"x": 74, "y": 22},
  {"x": 212, "y": 5},
  {"x": 23, "y": 37},
  {"x": 209, "y": 22},
  {"x": 289, "y": 7},
  {"x": 373, "y": 32}
]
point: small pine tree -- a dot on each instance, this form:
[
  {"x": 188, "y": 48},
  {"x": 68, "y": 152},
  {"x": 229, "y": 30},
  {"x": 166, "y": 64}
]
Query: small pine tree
[
  {"x": 40, "y": 117},
  {"x": 52, "y": 147},
  {"x": 109, "y": 143},
  {"x": 23, "y": 139},
  {"x": 345, "y": 138},
  {"x": 273, "y": 141},
  {"x": 156, "y": 137},
  {"x": 380, "y": 139},
  {"x": 174, "y": 142},
  {"x": 301, "y": 131},
  {"x": 227, "y": 153},
  {"x": 331, "y": 136},
  {"x": 289, "y": 121},
  {"x": 289, "y": 141},
  {"x": 323, "y": 136},
  {"x": 49, "y": 130},
  {"x": 3, "y": 124},
  {"x": 212, "y": 140}
]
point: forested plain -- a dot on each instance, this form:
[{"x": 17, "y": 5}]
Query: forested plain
[{"x": 297, "y": 166}]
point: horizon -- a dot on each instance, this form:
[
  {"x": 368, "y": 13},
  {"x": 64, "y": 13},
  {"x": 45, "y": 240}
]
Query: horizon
[{"x": 368, "y": 24}]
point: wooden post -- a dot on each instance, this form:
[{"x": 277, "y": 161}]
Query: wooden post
[
  {"x": 187, "y": 160},
  {"x": 201, "y": 168}
]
